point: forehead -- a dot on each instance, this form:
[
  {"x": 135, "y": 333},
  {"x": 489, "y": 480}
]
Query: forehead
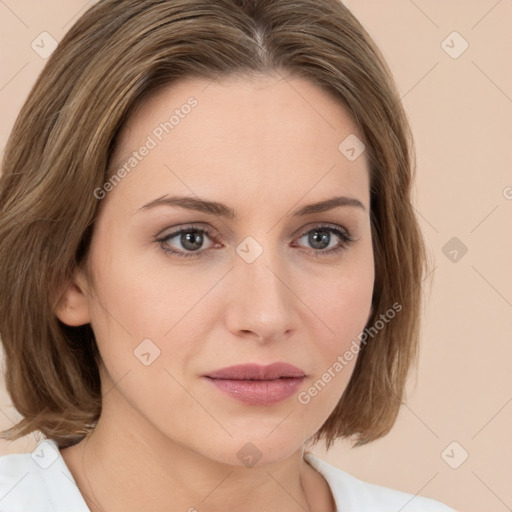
[{"x": 256, "y": 135}]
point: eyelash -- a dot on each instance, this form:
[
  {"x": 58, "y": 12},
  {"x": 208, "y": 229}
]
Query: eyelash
[{"x": 343, "y": 234}]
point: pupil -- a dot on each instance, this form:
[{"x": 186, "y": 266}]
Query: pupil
[
  {"x": 317, "y": 239},
  {"x": 190, "y": 241}
]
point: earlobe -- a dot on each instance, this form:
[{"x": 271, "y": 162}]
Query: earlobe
[{"x": 73, "y": 306}]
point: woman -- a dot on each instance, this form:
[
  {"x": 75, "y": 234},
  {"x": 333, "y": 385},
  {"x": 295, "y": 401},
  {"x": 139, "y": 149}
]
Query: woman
[{"x": 208, "y": 205}]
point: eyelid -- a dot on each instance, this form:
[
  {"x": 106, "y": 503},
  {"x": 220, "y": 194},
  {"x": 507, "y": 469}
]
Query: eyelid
[
  {"x": 174, "y": 230},
  {"x": 201, "y": 226},
  {"x": 316, "y": 225}
]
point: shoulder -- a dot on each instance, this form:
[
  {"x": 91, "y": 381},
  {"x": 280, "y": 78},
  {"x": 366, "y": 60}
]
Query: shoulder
[
  {"x": 38, "y": 481},
  {"x": 354, "y": 495}
]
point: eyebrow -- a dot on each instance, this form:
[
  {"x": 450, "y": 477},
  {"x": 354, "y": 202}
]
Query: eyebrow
[{"x": 222, "y": 210}]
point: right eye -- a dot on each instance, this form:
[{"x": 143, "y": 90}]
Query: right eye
[{"x": 190, "y": 238}]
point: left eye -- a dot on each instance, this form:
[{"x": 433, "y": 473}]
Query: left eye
[{"x": 320, "y": 237}]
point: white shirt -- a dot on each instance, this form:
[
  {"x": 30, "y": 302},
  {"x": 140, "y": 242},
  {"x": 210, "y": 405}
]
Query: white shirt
[{"x": 40, "y": 481}]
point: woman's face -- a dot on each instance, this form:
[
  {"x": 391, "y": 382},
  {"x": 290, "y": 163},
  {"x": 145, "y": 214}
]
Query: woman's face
[{"x": 260, "y": 286}]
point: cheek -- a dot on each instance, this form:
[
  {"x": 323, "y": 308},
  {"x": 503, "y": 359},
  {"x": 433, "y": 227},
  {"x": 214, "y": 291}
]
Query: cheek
[
  {"x": 341, "y": 313},
  {"x": 134, "y": 293},
  {"x": 137, "y": 301},
  {"x": 339, "y": 306},
  {"x": 341, "y": 300}
]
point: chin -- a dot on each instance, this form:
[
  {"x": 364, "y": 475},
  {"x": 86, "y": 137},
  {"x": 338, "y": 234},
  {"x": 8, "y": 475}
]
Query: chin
[{"x": 255, "y": 449}]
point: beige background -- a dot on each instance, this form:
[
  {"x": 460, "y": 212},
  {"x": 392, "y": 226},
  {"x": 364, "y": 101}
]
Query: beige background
[{"x": 460, "y": 109}]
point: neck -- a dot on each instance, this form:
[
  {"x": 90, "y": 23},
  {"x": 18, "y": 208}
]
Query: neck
[{"x": 138, "y": 468}]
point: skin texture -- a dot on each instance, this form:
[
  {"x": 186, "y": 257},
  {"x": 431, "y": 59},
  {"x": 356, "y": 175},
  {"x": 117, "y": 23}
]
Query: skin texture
[{"x": 167, "y": 439}]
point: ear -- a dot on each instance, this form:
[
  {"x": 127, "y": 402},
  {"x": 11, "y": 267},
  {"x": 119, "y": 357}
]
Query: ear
[{"x": 73, "y": 306}]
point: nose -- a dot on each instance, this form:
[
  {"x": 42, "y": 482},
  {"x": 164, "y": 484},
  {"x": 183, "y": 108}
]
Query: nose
[{"x": 262, "y": 305}]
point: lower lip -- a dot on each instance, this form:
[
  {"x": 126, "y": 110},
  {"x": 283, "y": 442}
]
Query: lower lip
[{"x": 259, "y": 392}]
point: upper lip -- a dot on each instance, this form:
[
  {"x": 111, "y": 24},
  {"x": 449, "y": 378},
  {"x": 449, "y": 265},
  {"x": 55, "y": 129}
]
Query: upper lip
[{"x": 257, "y": 372}]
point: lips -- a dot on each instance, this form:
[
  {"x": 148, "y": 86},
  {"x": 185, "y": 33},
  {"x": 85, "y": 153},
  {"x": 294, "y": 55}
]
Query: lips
[
  {"x": 257, "y": 372},
  {"x": 257, "y": 385}
]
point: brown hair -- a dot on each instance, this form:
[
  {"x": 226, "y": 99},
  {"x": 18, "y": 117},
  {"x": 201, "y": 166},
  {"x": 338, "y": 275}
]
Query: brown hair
[{"x": 117, "y": 54}]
